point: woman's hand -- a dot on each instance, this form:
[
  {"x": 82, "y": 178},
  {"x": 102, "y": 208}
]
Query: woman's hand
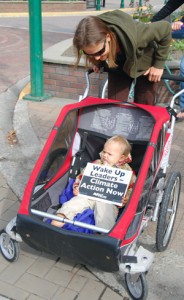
[
  {"x": 96, "y": 69},
  {"x": 176, "y": 25},
  {"x": 154, "y": 74}
]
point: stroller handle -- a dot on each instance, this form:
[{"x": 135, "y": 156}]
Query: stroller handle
[
  {"x": 165, "y": 76},
  {"x": 86, "y": 92}
]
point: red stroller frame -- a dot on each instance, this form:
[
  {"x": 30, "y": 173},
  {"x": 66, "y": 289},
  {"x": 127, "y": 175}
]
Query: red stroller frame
[{"x": 147, "y": 129}]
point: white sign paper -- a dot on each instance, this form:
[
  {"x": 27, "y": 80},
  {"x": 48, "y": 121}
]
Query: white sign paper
[{"x": 104, "y": 183}]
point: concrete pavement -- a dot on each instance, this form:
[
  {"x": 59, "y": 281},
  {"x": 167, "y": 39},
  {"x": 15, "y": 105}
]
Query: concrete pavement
[
  {"x": 39, "y": 276},
  {"x": 35, "y": 275},
  {"x": 28, "y": 277}
]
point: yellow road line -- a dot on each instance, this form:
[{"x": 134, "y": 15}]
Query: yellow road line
[{"x": 55, "y": 14}]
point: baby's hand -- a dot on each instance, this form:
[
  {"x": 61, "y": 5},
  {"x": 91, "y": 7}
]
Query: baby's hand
[
  {"x": 124, "y": 200},
  {"x": 75, "y": 190}
]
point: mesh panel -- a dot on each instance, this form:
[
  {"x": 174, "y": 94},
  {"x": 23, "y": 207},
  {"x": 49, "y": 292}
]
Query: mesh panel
[{"x": 133, "y": 123}]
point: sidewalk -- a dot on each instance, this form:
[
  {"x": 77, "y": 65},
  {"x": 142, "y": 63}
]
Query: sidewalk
[
  {"x": 44, "y": 275},
  {"x": 39, "y": 276},
  {"x": 36, "y": 275}
]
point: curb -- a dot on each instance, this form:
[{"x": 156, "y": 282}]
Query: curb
[{"x": 16, "y": 160}]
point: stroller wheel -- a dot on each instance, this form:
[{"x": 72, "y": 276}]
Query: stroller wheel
[
  {"x": 137, "y": 286},
  {"x": 167, "y": 212},
  {"x": 9, "y": 248}
]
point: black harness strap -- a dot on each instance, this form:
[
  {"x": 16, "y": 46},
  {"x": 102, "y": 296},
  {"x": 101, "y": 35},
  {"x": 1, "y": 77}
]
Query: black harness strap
[
  {"x": 84, "y": 141},
  {"x": 171, "y": 111},
  {"x": 76, "y": 163}
]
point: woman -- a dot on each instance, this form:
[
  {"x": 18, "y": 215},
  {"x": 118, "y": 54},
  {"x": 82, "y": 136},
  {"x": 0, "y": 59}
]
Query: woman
[
  {"x": 132, "y": 50},
  {"x": 177, "y": 33}
]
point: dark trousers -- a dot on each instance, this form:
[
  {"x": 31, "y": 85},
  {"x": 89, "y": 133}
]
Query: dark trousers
[{"x": 119, "y": 87}]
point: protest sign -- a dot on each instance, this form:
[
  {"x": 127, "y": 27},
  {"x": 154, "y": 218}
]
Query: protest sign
[{"x": 104, "y": 183}]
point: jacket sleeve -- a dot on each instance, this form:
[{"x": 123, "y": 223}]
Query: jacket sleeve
[
  {"x": 160, "y": 33},
  {"x": 167, "y": 9},
  {"x": 163, "y": 43}
]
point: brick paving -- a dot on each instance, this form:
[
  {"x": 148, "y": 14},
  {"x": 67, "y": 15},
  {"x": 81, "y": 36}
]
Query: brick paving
[{"x": 38, "y": 275}]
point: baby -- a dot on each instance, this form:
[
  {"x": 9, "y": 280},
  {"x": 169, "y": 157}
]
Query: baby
[{"x": 116, "y": 153}]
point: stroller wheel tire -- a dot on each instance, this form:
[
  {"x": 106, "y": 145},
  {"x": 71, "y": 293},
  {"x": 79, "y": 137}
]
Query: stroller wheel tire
[
  {"x": 167, "y": 212},
  {"x": 10, "y": 249},
  {"x": 137, "y": 286}
]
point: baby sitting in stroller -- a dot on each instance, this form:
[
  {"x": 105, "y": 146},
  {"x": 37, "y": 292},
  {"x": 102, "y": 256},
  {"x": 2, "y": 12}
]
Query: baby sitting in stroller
[{"x": 115, "y": 153}]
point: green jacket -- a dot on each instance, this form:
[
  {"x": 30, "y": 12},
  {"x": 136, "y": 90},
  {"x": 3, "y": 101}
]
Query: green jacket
[{"x": 136, "y": 39}]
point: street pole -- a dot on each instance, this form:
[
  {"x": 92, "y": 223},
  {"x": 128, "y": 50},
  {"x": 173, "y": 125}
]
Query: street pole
[
  {"x": 122, "y": 4},
  {"x": 36, "y": 52},
  {"x": 98, "y": 4}
]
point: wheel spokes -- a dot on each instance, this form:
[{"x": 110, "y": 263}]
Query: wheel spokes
[
  {"x": 6, "y": 245},
  {"x": 135, "y": 285},
  {"x": 171, "y": 211}
]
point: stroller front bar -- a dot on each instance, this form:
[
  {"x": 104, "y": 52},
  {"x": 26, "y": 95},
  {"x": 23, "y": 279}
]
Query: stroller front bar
[{"x": 76, "y": 223}]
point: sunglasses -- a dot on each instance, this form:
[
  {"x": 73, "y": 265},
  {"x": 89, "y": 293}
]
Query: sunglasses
[{"x": 99, "y": 53}]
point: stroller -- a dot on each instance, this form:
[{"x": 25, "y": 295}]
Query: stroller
[{"x": 77, "y": 137}]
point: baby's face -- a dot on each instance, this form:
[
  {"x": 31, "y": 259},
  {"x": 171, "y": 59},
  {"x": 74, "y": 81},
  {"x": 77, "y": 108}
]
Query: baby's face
[{"x": 111, "y": 153}]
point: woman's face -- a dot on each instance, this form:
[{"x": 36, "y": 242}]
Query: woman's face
[{"x": 99, "y": 51}]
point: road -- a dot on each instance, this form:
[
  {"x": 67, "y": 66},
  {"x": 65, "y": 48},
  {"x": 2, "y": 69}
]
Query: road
[
  {"x": 14, "y": 44},
  {"x": 14, "y": 38}
]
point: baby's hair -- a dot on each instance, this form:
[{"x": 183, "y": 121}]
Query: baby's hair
[
  {"x": 126, "y": 147},
  {"x": 91, "y": 31}
]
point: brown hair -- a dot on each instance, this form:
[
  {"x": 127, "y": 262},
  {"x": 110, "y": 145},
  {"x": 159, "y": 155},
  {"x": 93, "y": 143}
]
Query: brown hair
[
  {"x": 126, "y": 147},
  {"x": 91, "y": 31}
]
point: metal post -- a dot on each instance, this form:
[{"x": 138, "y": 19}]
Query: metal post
[
  {"x": 140, "y": 3},
  {"x": 36, "y": 52},
  {"x": 132, "y": 3},
  {"x": 98, "y": 4},
  {"x": 122, "y": 4}
]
